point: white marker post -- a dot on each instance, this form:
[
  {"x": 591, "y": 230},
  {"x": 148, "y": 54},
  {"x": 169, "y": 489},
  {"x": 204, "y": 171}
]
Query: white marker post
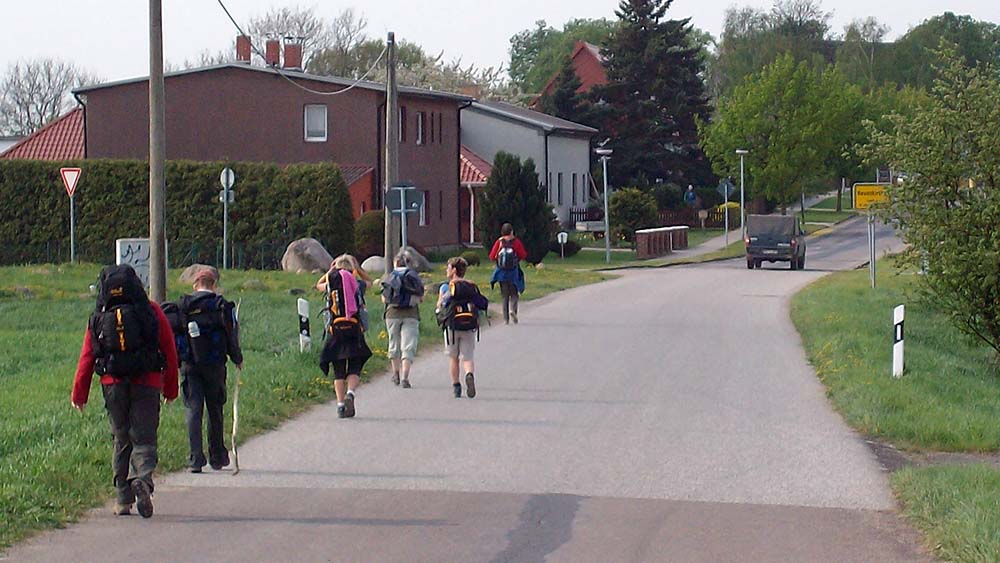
[
  {"x": 305, "y": 340},
  {"x": 562, "y": 237},
  {"x": 227, "y": 179},
  {"x": 897, "y": 342},
  {"x": 70, "y": 177}
]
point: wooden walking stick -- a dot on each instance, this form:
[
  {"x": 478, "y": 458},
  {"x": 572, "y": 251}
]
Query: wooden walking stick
[{"x": 236, "y": 405}]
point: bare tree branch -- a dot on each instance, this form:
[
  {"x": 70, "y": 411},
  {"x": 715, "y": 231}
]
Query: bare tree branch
[{"x": 33, "y": 93}]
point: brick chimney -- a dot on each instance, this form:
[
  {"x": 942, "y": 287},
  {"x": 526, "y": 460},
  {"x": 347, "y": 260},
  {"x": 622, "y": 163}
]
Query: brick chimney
[
  {"x": 243, "y": 49},
  {"x": 293, "y": 54},
  {"x": 272, "y": 52}
]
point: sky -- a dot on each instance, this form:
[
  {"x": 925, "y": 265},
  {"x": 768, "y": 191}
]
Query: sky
[{"x": 111, "y": 37}]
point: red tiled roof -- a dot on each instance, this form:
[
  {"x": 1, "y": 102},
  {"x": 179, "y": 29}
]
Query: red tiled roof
[
  {"x": 60, "y": 140},
  {"x": 475, "y": 170},
  {"x": 354, "y": 172}
]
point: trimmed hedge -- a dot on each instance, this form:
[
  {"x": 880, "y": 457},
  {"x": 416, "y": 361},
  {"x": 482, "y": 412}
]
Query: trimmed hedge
[{"x": 274, "y": 205}]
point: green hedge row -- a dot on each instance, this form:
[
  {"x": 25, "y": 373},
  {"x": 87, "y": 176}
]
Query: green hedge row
[{"x": 273, "y": 206}]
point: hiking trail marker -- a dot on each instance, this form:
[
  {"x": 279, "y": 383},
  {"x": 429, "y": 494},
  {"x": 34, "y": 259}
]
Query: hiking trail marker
[
  {"x": 70, "y": 177},
  {"x": 227, "y": 179},
  {"x": 562, "y": 237}
]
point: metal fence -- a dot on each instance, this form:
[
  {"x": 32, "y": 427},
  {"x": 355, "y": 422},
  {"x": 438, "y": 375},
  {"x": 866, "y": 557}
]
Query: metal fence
[{"x": 264, "y": 255}]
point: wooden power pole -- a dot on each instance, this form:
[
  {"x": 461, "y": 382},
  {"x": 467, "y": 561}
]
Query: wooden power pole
[
  {"x": 157, "y": 156},
  {"x": 392, "y": 229}
]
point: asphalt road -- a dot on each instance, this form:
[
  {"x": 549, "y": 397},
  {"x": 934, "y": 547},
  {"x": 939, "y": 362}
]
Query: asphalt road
[{"x": 669, "y": 415}]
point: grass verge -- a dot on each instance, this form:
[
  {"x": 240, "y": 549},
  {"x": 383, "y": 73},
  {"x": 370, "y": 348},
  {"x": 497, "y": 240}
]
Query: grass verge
[
  {"x": 948, "y": 400},
  {"x": 54, "y": 462}
]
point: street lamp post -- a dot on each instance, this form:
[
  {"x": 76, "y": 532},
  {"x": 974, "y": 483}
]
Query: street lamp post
[
  {"x": 742, "y": 153},
  {"x": 605, "y": 154}
]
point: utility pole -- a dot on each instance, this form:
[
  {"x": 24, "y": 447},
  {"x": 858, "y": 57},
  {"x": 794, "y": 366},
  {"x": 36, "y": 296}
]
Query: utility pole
[
  {"x": 157, "y": 156},
  {"x": 391, "y": 152}
]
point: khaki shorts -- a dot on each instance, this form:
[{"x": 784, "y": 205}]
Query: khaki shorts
[
  {"x": 404, "y": 335},
  {"x": 460, "y": 343}
]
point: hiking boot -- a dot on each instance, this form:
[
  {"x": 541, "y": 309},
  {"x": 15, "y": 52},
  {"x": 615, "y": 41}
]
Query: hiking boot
[
  {"x": 470, "y": 385},
  {"x": 405, "y": 384},
  {"x": 395, "y": 379},
  {"x": 220, "y": 465},
  {"x": 143, "y": 498},
  {"x": 349, "y": 406},
  {"x": 341, "y": 411},
  {"x": 513, "y": 317},
  {"x": 122, "y": 509},
  {"x": 457, "y": 387},
  {"x": 195, "y": 469}
]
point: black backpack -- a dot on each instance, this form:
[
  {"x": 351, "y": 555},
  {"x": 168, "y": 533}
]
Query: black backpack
[
  {"x": 401, "y": 287},
  {"x": 204, "y": 326},
  {"x": 461, "y": 312},
  {"x": 124, "y": 328},
  {"x": 340, "y": 325},
  {"x": 507, "y": 258},
  {"x": 178, "y": 325}
]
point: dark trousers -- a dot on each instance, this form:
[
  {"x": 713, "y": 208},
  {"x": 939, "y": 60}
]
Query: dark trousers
[
  {"x": 510, "y": 296},
  {"x": 204, "y": 388},
  {"x": 134, "y": 414}
]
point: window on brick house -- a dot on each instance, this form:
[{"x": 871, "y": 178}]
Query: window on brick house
[
  {"x": 315, "y": 123},
  {"x": 420, "y": 127},
  {"x": 402, "y": 124},
  {"x": 425, "y": 200}
]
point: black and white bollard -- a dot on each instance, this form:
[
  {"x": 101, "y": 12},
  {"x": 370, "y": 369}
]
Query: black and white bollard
[
  {"x": 304, "y": 339},
  {"x": 897, "y": 342}
]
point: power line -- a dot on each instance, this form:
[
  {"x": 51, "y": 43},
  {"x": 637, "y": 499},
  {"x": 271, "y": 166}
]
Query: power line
[{"x": 286, "y": 77}]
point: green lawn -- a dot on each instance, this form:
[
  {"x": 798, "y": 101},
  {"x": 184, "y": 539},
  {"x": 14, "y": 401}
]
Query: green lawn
[
  {"x": 54, "y": 460},
  {"x": 948, "y": 399},
  {"x": 830, "y": 203}
]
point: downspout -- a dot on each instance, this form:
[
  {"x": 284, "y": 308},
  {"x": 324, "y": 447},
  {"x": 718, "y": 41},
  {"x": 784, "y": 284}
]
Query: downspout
[
  {"x": 458, "y": 175},
  {"x": 84, "y": 106}
]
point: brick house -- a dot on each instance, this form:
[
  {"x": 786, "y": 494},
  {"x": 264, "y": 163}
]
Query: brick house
[
  {"x": 589, "y": 66},
  {"x": 239, "y": 112}
]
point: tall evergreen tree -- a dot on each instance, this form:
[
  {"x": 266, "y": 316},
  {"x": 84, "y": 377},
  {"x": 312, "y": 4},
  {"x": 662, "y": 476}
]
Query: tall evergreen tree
[
  {"x": 654, "y": 99},
  {"x": 564, "y": 102},
  {"x": 512, "y": 195}
]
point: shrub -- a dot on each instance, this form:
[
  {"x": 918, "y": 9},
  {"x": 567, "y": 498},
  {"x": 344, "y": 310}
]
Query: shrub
[
  {"x": 472, "y": 257},
  {"x": 667, "y": 196},
  {"x": 369, "y": 234},
  {"x": 569, "y": 249},
  {"x": 631, "y": 209}
]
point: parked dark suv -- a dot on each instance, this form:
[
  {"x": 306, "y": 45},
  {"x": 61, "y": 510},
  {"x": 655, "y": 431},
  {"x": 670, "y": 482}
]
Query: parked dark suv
[{"x": 775, "y": 238}]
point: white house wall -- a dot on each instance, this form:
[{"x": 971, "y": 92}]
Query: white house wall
[{"x": 486, "y": 135}]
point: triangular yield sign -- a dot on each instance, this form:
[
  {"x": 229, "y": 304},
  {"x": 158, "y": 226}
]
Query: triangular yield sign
[{"x": 70, "y": 177}]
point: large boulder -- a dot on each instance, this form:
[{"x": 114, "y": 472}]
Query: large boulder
[
  {"x": 374, "y": 265},
  {"x": 306, "y": 255},
  {"x": 416, "y": 260}
]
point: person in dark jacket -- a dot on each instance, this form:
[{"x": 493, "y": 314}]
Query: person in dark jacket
[
  {"x": 213, "y": 334},
  {"x": 131, "y": 382},
  {"x": 508, "y": 252}
]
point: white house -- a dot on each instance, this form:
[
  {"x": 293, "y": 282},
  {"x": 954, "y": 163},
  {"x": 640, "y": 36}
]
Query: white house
[{"x": 560, "y": 148}]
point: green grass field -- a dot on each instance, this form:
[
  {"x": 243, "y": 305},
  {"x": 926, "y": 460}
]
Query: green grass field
[
  {"x": 948, "y": 400},
  {"x": 54, "y": 461},
  {"x": 830, "y": 203}
]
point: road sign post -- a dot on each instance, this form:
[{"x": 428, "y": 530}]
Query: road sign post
[
  {"x": 725, "y": 189},
  {"x": 227, "y": 179},
  {"x": 562, "y": 237},
  {"x": 400, "y": 203},
  {"x": 70, "y": 177}
]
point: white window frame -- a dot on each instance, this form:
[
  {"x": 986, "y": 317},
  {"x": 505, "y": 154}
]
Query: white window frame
[
  {"x": 423, "y": 209},
  {"x": 305, "y": 124},
  {"x": 420, "y": 128}
]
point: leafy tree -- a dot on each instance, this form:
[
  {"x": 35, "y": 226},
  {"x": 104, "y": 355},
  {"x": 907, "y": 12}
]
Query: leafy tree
[
  {"x": 512, "y": 195},
  {"x": 913, "y": 59},
  {"x": 536, "y": 55},
  {"x": 631, "y": 209},
  {"x": 786, "y": 118},
  {"x": 654, "y": 96},
  {"x": 862, "y": 55},
  {"x": 753, "y": 38},
  {"x": 35, "y": 92},
  {"x": 948, "y": 206}
]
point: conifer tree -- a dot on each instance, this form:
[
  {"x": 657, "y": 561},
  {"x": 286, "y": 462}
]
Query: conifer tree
[
  {"x": 564, "y": 101},
  {"x": 654, "y": 98},
  {"x": 512, "y": 195}
]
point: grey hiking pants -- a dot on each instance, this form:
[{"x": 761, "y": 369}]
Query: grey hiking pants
[
  {"x": 510, "y": 297},
  {"x": 134, "y": 414}
]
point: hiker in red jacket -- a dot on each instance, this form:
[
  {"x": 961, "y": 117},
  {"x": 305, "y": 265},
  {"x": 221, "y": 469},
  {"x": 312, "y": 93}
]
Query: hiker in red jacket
[
  {"x": 508, "y": 252},
  {"x": 130, "y": 345}
]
